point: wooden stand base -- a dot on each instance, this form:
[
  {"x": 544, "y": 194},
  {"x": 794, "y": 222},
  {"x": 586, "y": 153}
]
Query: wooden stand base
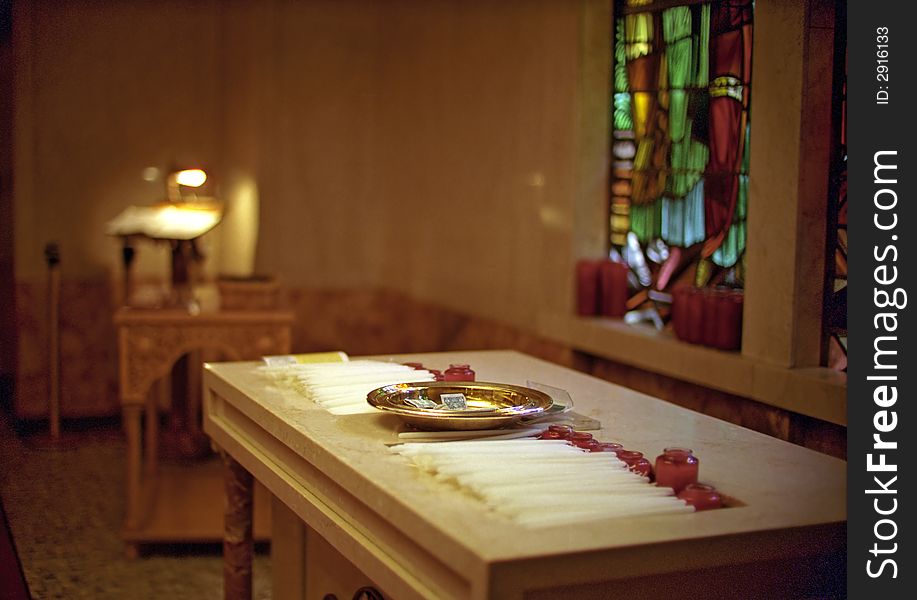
[{"x": 184, "y": 503}]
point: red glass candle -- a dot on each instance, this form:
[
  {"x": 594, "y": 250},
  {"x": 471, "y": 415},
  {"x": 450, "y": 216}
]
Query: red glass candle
[
  {"x": 731, "y": 319},
  {"x": 586, "y": 444},
  {"x": 437, "y": 374},
  {"x": 613, "y": 288},
  {"x": 587, "y": 288},
  {"x": 564, "y": 430},
  {"x": 711, "y": 317},
  {"x": 459, "y": 372},
  {"x": 607, "y": 447},
  {"x": 694, "y": 328},
  {"x": 722, "y": 320},
  {"x": 414, "y": 365},
  {"x": 547, "y": 434},
  {"x": 580, "y": 436},
  {"x": 636, "y": 462},
  {"x": 701, "y": 496},
  {"x": 676, "y": 468},
  {"x": 679, "y": 311}
]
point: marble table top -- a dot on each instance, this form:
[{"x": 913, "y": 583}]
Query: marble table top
[{"x": 788, "y": 496}]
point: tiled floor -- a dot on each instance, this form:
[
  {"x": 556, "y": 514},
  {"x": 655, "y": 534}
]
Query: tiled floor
[{"x": 65, "y": 508}]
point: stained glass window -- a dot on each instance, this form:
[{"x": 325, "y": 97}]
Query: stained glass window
[{"x": 680, "y": 136}]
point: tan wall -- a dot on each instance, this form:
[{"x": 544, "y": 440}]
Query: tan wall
[
  {"x": 105, "y": 90},
  {"x": 102, "y": 91},
  {"x": 422, "y": 146},
  {"x": 321, "y": 212},
  {"x": 419, "y": 146},
  {"x": 476, "y": 141},
  {"x": 426, "y": 145}
]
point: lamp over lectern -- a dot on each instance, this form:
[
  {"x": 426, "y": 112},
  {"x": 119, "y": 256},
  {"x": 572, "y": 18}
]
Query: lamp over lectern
[
  {"x": 193, "y": 178},
  {"x": 179, "y": 221}
]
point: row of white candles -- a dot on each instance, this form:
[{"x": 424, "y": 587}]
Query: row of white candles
[
  {"x": 540, "y": 483},
  {"x": 341, "y": 387}
]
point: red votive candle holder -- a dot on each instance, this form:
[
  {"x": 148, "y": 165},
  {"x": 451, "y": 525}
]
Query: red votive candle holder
[
  {"x": 613, "y": 288},
  {"x": 607, "y": 447},
  {"x": 676, "y": 468},
  {"x": 564, "y": 430},
  {"x": 414, "y": 365},
  {"x": 711, "y": 317},
  {"x": 694, "y": 328},
  {"x": 701, "y": 496},
  {"x": 679, "y": 311},
  {"x": 458, "y": 372},
  {"x": 730, "y": 334},
  {"x": 636, "y": 462},
  {"x": 586, "y": 444},
  {"x": 587, "y": 288}
]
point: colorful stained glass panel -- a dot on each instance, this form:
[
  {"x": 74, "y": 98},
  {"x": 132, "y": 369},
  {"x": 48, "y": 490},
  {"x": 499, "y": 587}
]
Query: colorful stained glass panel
[
  {"x": 680, "y": 118},
  {"x": 680, "y": 128}
]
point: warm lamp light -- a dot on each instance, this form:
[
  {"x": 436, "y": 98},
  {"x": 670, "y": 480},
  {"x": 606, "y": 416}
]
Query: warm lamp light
[
  {"x": 167, "y": 221},
  {"x": 178, "y": 221},
  {"x": 177, "y": 218},
  {"x": 188, "y": 178},
  {"x": 191, "y": 177}
]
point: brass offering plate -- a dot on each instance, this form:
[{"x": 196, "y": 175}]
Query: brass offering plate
[{"x": 487, "y": 405}]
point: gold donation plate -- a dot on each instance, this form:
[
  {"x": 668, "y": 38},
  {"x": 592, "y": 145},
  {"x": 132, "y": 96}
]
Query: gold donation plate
[{"x": 488, "y": 405}]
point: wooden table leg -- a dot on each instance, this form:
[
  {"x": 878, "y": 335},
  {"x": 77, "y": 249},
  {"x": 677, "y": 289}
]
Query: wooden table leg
[
  {"x": 151, "y": 434},
  {"x": 131, "y": 423},
  {"x": 238, "y": 544}
]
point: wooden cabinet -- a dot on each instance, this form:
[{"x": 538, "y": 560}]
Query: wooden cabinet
[{"x": 181, "y": 501}]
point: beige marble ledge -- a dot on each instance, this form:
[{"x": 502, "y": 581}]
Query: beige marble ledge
[
  {"x": 815, "y": 392},
  {"x": 789, "y": 492}
]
